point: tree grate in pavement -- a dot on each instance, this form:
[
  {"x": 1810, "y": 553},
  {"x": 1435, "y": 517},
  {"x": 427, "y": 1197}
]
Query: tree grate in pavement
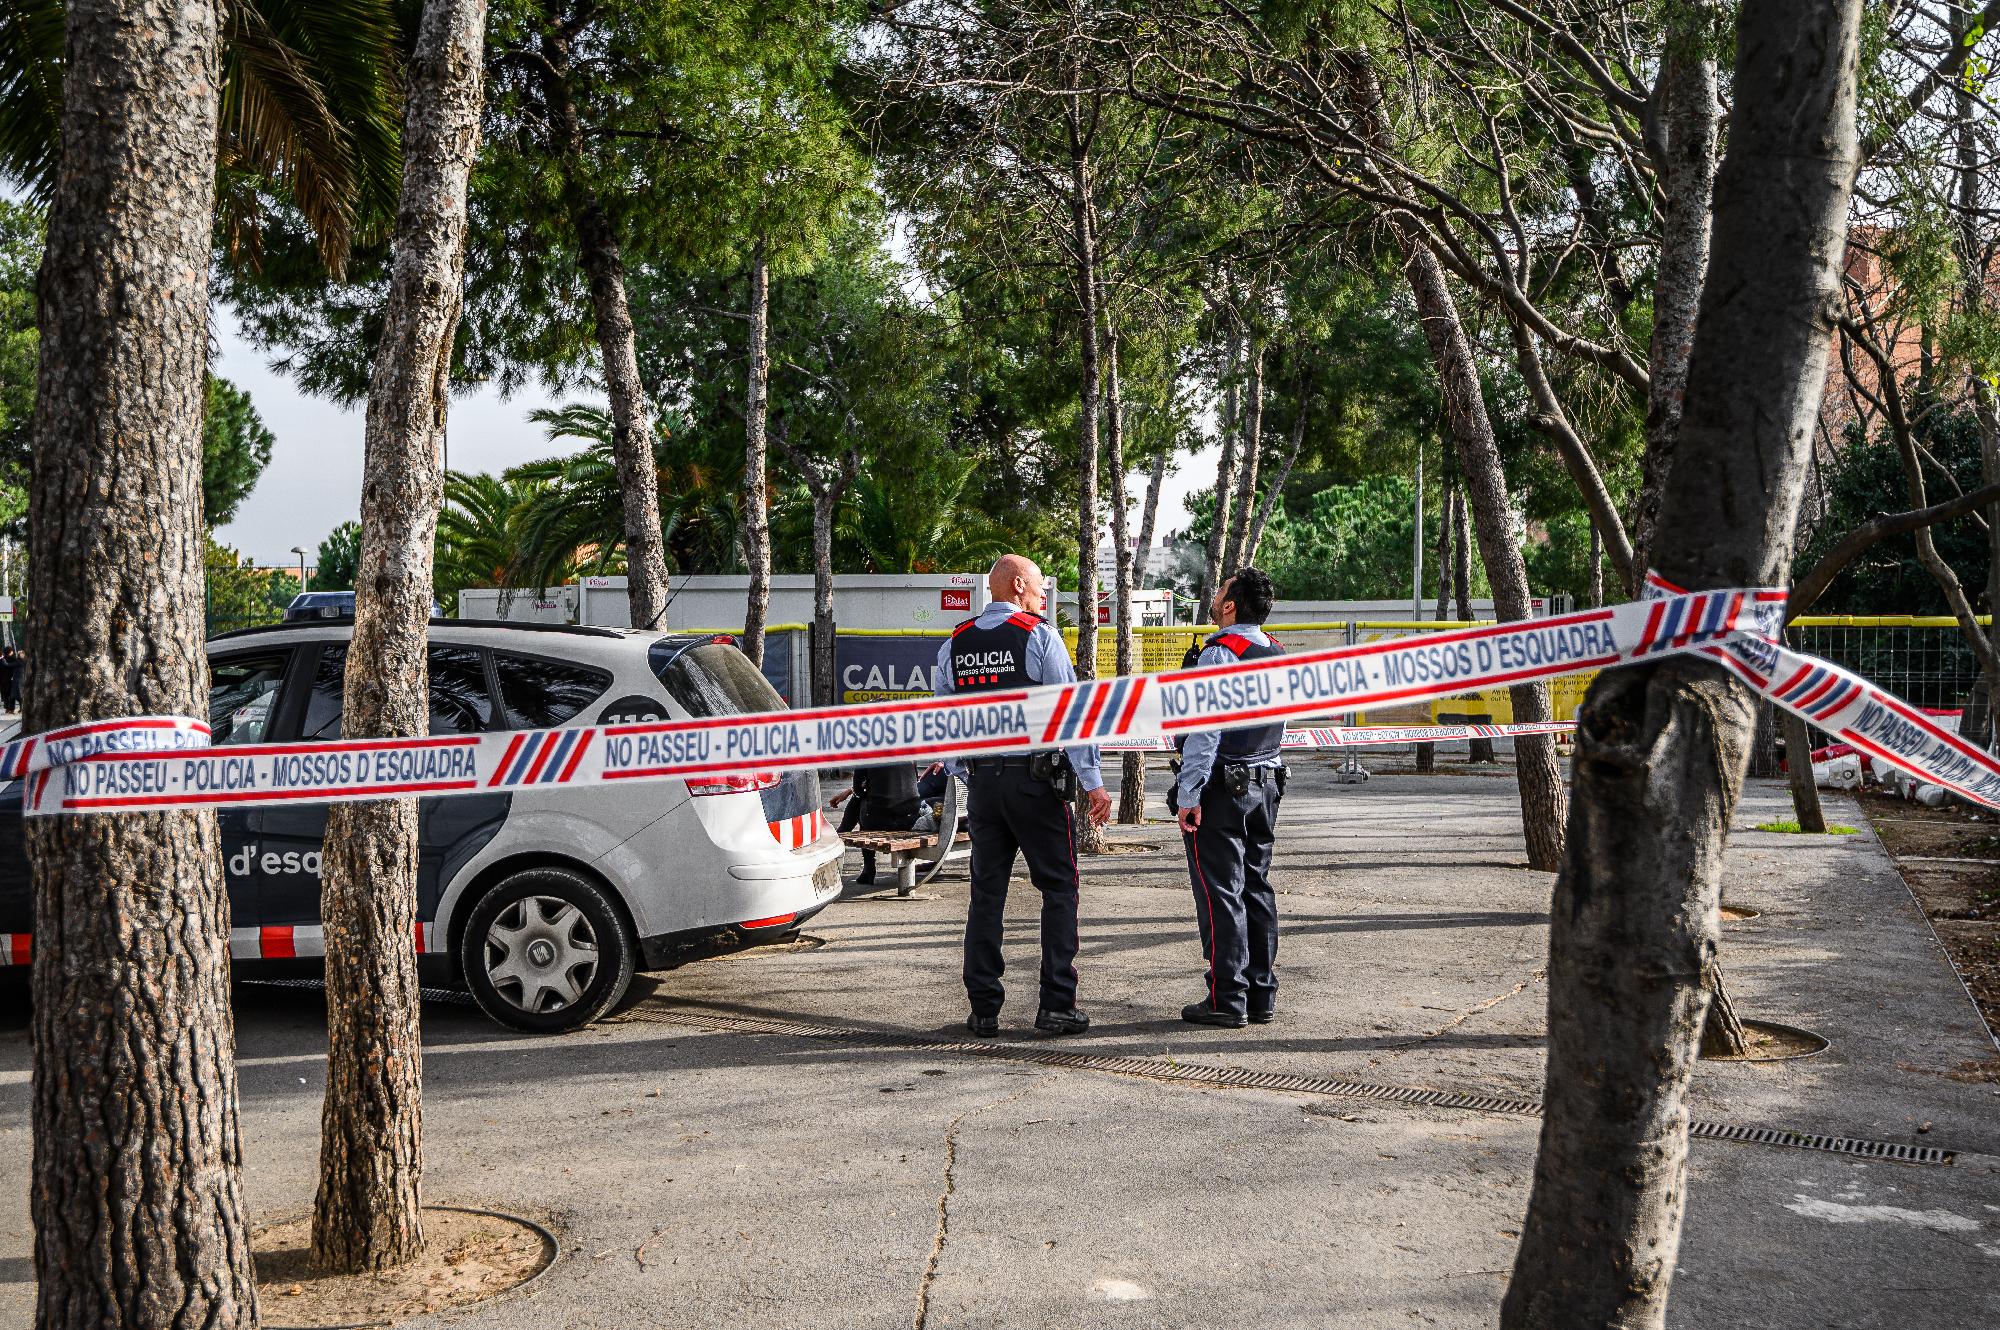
[{"x": 1190, "y": 1073}]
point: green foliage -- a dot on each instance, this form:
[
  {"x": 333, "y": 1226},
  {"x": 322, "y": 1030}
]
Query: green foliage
[
  {"x": 573, "y": 520},
  {"x": 236, "y": 445},
  {"x": 235, "y": 449},
  {"x": 1864, "y": 478},
  {"x": 478, "y": 534},
  {"x": 310, "y": 118},
  {"x": 339, "y": 559},
  {"x": 240, "y": 596},
  {"x": 21, "y": 236}
]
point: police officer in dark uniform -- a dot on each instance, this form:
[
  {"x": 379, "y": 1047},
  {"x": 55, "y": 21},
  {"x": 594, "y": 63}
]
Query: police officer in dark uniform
[
  {"x": 1020, "y": 803},
  {"x": 884, "y": 798},
  {"x": 1226, "y": 799}
]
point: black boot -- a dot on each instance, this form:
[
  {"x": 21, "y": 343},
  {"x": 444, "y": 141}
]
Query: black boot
[{"x": 1072, "y": 1021}]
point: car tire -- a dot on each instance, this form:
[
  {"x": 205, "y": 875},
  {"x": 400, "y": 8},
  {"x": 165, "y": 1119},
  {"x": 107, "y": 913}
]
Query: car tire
[{"x": 546, "y": 950}]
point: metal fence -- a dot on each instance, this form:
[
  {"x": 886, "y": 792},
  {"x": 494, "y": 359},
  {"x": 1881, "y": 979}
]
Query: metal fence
[{"x": 1923, "y": 660}]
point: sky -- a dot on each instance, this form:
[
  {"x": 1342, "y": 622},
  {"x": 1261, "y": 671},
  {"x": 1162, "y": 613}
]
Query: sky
[{"x": 314, "y": 481}]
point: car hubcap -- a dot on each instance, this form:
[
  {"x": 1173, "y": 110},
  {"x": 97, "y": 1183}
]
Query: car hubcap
[{"x": 541, "y": 954}]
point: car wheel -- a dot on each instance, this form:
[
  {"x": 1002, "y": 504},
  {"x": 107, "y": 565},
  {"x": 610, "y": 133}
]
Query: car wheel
[{"x": 546, "y": 950}]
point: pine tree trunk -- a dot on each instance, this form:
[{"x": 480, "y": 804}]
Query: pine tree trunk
[
  {"x": 756, "y": 409},
  {"x": 134, "y": 1187},
  {"x": 1722, "y": 1032},
  {"x": 1447, "y": 523},
  {"x": 1225, "y": 468},
  {"x": 366, "y": 1216},
  {"x": 1544, "y": 802},
  {"x": 1447, "y": 527},
  {"x": 1596, "y": 566},
  {"x": 611, "y": 314},
  {"x": 1661, "y": 748},
  {"x": 1476, "y": 750},
  {"x": 1150, "y": 515},
  {"x": 826, "y": 498},
  {"x": 1799, "y": 774},
  {"x": 1980, "y": 725},
  {"x": 1089, "y": 838},
  {"x": 1247, "y": 461},
  {"x": 1683, "y": 146},
  {"x": 1274, "y": 493},
  {"x": 1132, "y": 771}
]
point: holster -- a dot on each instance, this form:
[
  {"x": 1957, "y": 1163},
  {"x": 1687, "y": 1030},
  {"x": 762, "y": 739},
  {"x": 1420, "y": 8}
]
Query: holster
[{"x": 1053, "y": 766}]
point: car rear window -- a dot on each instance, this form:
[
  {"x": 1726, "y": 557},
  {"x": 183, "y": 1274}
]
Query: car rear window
[
  {"x": 712, "y": 679},
  {"x": 540, "y": 694}
]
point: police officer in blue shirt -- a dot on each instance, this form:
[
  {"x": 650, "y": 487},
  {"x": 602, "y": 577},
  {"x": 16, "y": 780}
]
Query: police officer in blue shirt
[
  {"x": 1227, "y": 801},
  {"x": 1020, "y": 803}
]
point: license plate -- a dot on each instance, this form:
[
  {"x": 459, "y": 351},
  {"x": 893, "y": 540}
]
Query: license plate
[{"x": 826, "y": 880}]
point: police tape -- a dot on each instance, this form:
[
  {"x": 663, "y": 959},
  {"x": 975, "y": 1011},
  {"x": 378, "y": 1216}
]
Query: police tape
[
  {"x": 1365, "y": 736},
  {"x": 155, "y": 763}
]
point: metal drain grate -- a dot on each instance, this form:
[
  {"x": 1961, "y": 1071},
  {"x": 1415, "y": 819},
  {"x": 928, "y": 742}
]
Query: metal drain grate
[
  {"x": 1803, "y": 1140},
  {"x": 1162, "y": 1069}
]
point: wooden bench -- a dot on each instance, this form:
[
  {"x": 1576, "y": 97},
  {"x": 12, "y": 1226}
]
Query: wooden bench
[{"x": 909, "y": 851}]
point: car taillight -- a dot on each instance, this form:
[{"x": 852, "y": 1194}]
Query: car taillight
[{"x": 762, "y": 780}]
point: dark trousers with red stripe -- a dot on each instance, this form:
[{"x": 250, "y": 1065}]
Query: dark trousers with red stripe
[
  {"x": 1012, "y": 811},
  {"x": 1229, "y": 860}
]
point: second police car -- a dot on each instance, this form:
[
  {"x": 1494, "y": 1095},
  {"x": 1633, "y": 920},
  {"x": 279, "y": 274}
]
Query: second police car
[{"x": 542, "y": 900}]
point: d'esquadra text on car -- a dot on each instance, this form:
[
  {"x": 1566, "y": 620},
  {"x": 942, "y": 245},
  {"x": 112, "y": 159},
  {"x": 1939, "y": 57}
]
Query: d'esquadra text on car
[{"x": 542, "y": 899}]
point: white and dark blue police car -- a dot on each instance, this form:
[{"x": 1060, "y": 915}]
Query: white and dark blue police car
[{"x": 542, "y": 901}]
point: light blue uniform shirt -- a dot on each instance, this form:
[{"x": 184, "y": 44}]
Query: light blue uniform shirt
[
  {"x": 1198, "y": 756},
  {"x": 1048, "y": 662}
]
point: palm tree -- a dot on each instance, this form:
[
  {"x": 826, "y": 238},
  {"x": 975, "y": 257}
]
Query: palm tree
[
  {"x": 479, "y": 534},
  {"x": 577, "y": 518},
  {"x": 914, "y": 519},
  {"x": 311, "y": 113}
]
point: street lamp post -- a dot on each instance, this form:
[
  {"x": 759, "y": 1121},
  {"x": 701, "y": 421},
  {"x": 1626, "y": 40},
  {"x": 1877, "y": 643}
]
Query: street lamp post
[{"x": 302, "y": 566}]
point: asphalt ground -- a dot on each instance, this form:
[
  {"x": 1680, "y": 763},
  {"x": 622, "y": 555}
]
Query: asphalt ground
[{"x": 701, "y": 1173}]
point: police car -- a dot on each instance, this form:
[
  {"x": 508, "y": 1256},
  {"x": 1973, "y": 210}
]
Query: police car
[{"x": 543, "y": 901}]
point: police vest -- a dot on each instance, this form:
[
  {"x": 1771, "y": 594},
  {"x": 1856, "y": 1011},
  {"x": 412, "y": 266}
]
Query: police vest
[
  {"x": 1253, "y": 743},
  {"x": 996, "y": 657}
]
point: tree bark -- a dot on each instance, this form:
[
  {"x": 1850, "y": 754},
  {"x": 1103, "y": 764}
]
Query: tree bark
[
  {"x": 1447, "y": 527},
  {"x": 1225, "y": 468},
  {"x": 756, "y": 410},
  {"x": 1476, "y": 750},
  {"x": 1543, "y": 798},
  {"x": 825, "y": 491},
  {"x": 1427, "y": 753},
  {"x": 1149, "y": 515},
  {"x": 1596, "y": 566},
  {"x": 366, "y": 1216},
  {"x": 1661, "y": 748},
  {"x": 1249, "y": 454},
  {"x": 1132, "y": 770},
  {"x": 1975, "y": 286},
  {"x": 1607, "y": 529},
  {"x": 1683, "y": 127},
  {"x": 1089, "y": 838},
  {"x": 611, "y": 316},
  {"x": 1799, "y": 773},
  {"x": 1274, "y": 493},
  {"x": 135, "y": 1190}
]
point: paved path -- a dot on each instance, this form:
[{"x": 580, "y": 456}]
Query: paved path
[{"x": 796, "y": 1182}]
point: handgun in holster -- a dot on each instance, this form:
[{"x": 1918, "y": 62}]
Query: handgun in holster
[{"x": 1053, "y": 766}]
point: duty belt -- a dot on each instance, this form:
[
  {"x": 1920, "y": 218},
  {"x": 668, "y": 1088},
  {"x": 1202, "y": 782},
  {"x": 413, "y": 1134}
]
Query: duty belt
[{"x": 997, "y": 763}]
